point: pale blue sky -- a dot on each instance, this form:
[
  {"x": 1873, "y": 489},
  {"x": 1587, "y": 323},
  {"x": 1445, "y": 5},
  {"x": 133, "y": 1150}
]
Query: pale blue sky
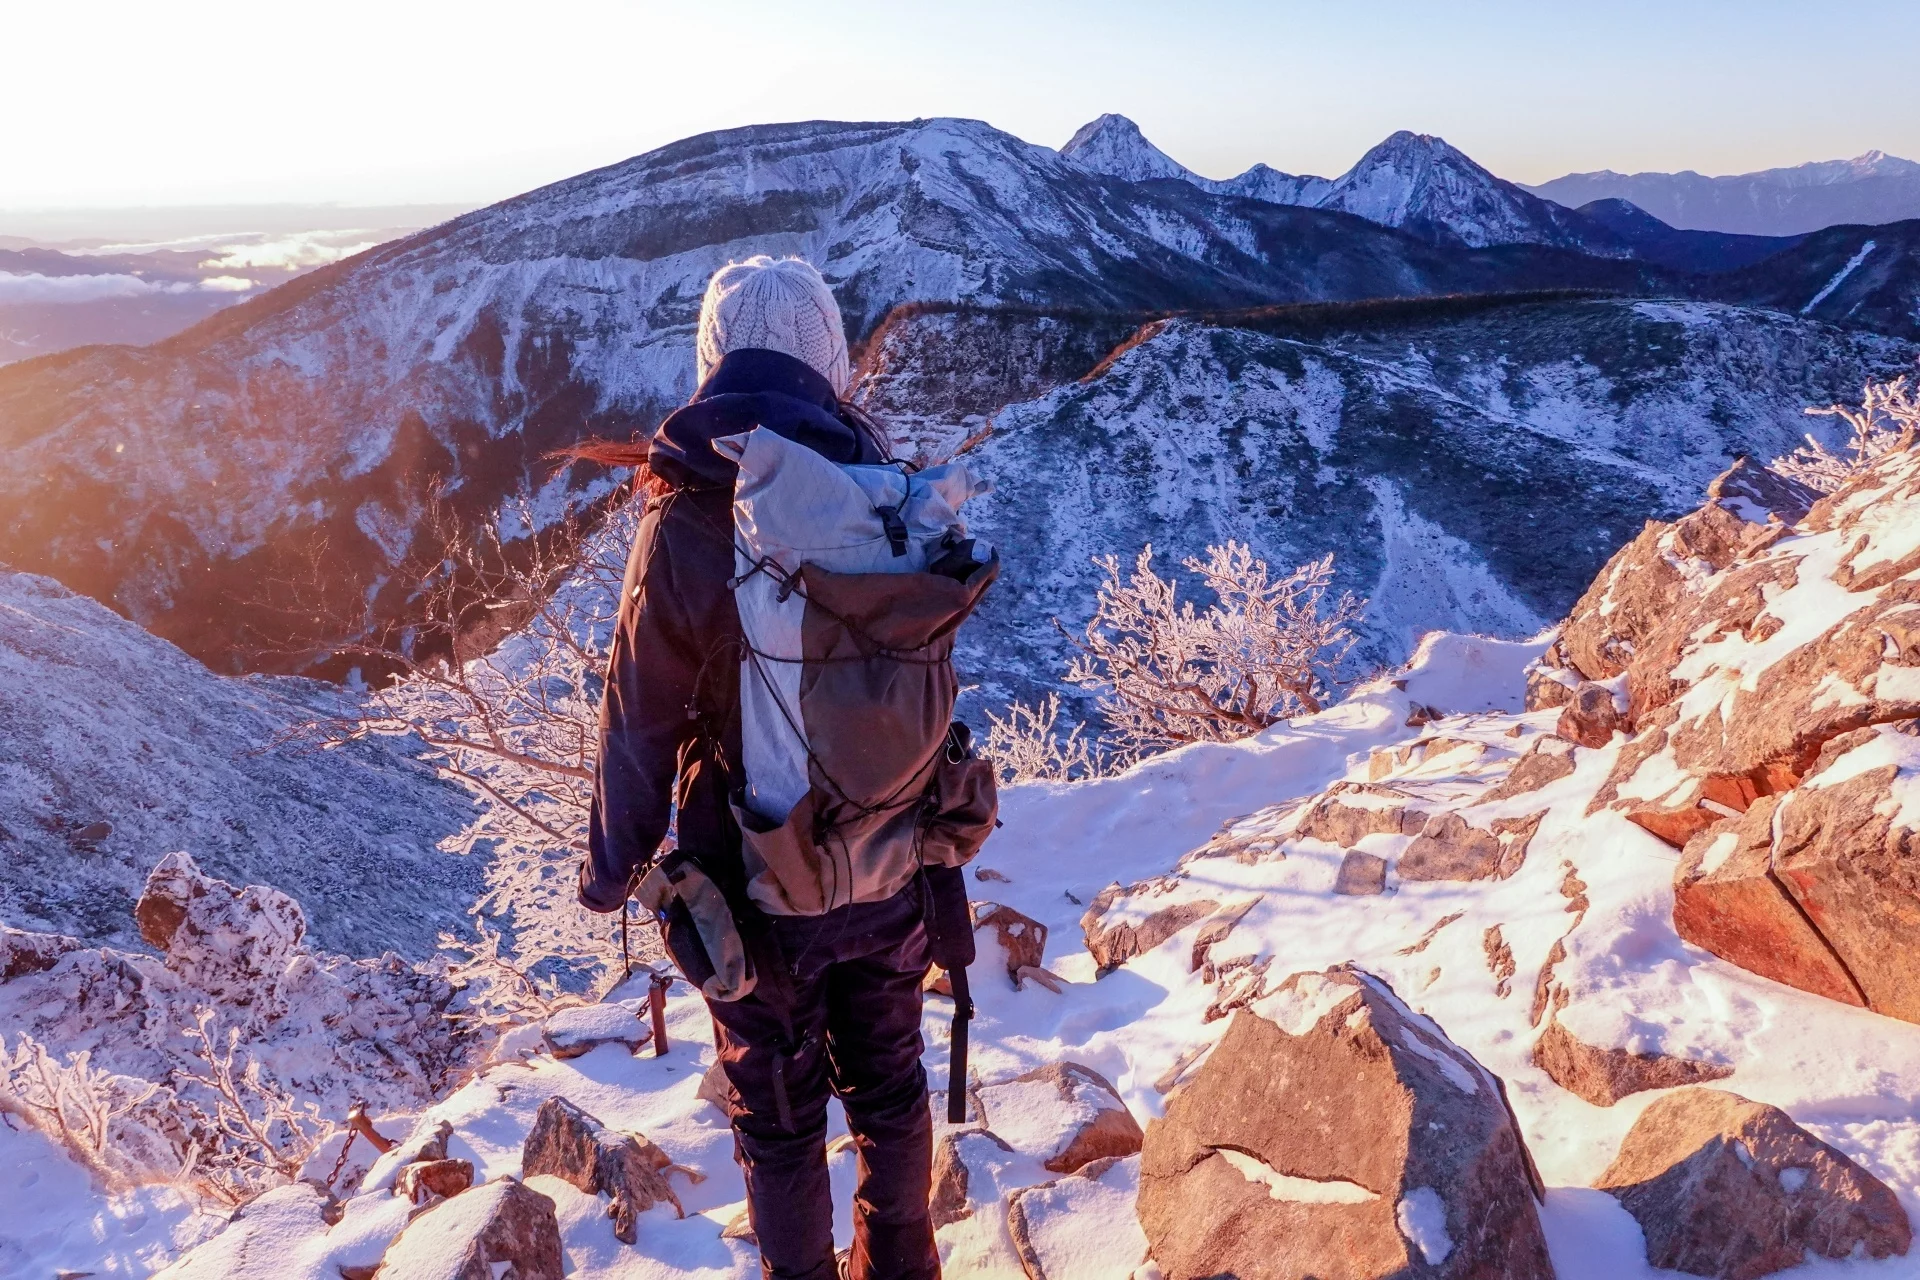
[{"x": 409, "y": 100}]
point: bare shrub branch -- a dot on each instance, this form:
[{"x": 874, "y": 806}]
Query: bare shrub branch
[
  {"x": 250, "y": 1133},
  {"x": 77, "y": 1105},
  {"x": 1888, "y": 418},
  {"x": 1026, "y": 746}
]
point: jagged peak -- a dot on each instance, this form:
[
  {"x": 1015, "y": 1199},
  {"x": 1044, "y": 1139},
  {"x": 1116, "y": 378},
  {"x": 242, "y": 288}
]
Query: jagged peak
[{"x": 1113, "y": 144}]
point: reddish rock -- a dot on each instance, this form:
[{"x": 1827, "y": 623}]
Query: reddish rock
[
  {"x": 1735, "y": 1189},
  {"x": 22, "y": 953},
  {"x": 1114, "y": 942},
  {"x": 1604, "y": 1076},
  {"x": 431, "y": 1180},
  {"x": 1216, "y": 930},
  {"x": 1852, "y": 865},
  {"x": 1727, "y": 900},
  {"x": 1333, "y": 1132},
  {"x": 1063, "y": 1114},
  {"x": 1447, "y": 848},
  {"x": 1360, "y": 874},
  {"x": 501, "y": 1229},
  {"x": 1590, "y": 717},
  {"x": 1636, "y": 591},
  {"x": 1023, "y": 937},
  {"x": 567, "y": 1143}
]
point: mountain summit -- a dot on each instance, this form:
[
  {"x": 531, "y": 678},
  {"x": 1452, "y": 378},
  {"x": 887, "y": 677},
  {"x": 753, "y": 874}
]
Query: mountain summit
[{"x": 1114, "y": 145}]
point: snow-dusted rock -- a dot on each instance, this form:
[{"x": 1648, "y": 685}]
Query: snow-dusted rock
[
  {"x": 23, "y": 952},
  {"x": 1348, "y": 812},
  {"x": 1335, "y": 1132},
  {"x": 584, "y": 1028},
  {"x": 233, "y": 943},
  {"x": 1450, "y": 848},
  {"x": 951, "y": 1199},
  {"x": 1081, "y": 1225},
  {"x": 1064, "y": 1114},
  {"x": 1360, "y": 875},
  {"x": 1735, "y": 1189},
  {"x": 569, "y": 1144},
  {"x": 1590, "y": 717},
  {"x": 255, "y": 1245},
  {"x": 428, "y": 1181},
  {"x": 501, "y": 1229},
  {"x": 1021, "y": 938},
  {"x": 1603, "y": 1076},
  {"x": 1121, "y": 923}
]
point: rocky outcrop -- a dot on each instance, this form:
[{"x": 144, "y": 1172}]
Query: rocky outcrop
[
  {"x": 1848, "y": 850},
  {"x": 1735, "y": 1189},
  {"x": 1348, "y": 812},
  {"x": 23, "y": 953},
  {"x": 1603, "y": 1076},
  {"x": 501, "y": 1229},
  {"x": 569, "y": 1144},
  {"x": 1335, "y": 1132},
  {"x": 1064, "y": 1114},
  {"x": 1548, "y": 760},
  {"x": 1448, "y": 848}
]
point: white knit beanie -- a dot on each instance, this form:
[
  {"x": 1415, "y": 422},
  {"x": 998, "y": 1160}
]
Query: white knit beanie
[{"x": 777, "y": 305}]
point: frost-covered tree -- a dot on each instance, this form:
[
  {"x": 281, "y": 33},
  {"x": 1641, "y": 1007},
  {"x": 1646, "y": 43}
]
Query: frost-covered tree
[
  {"x": 1026, "y": 745},
  {"x": 1168, "y": 673},
  {"x": 1888, "y": 418},
  {"x": 502, "y": 679}
]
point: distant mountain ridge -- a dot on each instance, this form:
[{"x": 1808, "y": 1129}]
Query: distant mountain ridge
[{"x": 1870, "y": 189}]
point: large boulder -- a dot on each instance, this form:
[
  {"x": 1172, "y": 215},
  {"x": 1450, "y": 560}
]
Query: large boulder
[
  {"x": 1450, "y": 848},
  {"x": 1848, "y": 850},
  {"x": 233, "y": 943},
  {"x": 1064, "y": 1114},
  {"x": 501, "y": 1229},
  {"x": 1725, "y": 1187},
  {"x": 1727, "y": 899},
  {"x": 1334, "y": 1132},
  {"x": 567, "y": 1143}
]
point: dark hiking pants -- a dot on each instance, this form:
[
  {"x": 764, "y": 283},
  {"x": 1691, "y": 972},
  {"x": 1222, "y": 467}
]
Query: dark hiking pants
[{"x": 856, "y": 1017}]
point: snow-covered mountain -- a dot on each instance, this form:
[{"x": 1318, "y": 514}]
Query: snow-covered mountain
[
  {"x": 1869, "y": 189},
  {"x": 1412, "y": 181},
  {"x": 1470, "y": 466},
  {"x": 263, "y": 486},
  {"x": 1114, "y": 145},
  {"x": 118, "y": 749}
]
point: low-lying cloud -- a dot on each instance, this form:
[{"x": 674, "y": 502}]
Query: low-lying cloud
[{"x": 31, "y": 286}]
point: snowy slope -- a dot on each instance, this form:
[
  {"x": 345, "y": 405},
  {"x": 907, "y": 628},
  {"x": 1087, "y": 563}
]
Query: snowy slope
[
  {"x": 1113, "y": 144},
  {"x": 1224, "y": 824},
  {"x": 1869, "y": 189},
  {"x": 261, "y": 485},
  {"x": 118, "y": 748},
  {"x": 1470, "y": 470}
]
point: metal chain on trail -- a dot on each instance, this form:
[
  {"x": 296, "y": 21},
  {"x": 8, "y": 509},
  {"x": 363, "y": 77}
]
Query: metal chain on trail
[{"x": 341, "y": 1163}]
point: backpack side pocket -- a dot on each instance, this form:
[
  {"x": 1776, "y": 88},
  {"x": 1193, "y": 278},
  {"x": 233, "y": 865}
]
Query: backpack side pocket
[
  {"x": 962, "y": 806},
  {"x": 697, "y": 927}
]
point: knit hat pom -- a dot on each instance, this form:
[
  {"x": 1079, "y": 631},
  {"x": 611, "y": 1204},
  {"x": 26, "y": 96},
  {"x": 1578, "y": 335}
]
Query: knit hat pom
[{"x": 778, "y": 305}]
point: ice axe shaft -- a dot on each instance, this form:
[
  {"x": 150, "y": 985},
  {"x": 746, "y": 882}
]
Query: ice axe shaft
[{"x": 957, "y": 1055}]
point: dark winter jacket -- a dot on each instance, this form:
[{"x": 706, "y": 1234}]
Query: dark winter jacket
[{"x": 673, "y": 676}]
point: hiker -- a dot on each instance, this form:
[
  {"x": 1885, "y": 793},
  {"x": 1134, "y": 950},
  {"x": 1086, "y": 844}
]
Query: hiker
[{"x": 809, "y": 928}]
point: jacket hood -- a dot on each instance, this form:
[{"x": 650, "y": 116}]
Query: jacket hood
[{"x": 754, "y": 388}]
